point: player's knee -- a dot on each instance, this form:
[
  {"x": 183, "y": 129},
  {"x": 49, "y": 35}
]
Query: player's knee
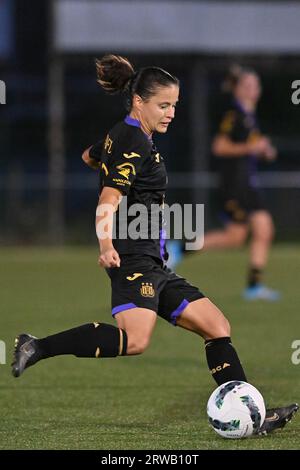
[
  {"x": 265, "y": 233},
  {"x": 137, "y": 345},
  {"x": 222, "y": 329}
]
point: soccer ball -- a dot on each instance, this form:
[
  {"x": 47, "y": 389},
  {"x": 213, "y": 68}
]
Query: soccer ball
[{"x": 236, "y": 409}]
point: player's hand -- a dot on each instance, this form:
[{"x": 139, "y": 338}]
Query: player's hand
[
  {"x": 259, "y": 146},
  {"x": 270, "y": 153},
  {"x": 109, "y": 258}
]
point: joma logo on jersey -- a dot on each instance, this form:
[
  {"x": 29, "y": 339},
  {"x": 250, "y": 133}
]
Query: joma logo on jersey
[
  {"x": 108, "y": 144},
  {"x": 219, "y": 368},
  {"x": 131, "y": 155},
  {"x": 125, "y": 169},
  {"x": 147, "y": 289}
]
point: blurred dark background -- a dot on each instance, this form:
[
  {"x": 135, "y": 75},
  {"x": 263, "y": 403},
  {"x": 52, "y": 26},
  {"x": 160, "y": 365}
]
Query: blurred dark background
[{"x": 55, "y": 109}]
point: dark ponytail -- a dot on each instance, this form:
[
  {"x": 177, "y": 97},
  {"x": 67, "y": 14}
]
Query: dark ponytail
[{"x": 116, "y": 74}]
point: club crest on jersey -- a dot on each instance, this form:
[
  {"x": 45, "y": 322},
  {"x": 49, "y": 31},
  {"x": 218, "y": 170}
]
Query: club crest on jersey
[
  {"x": 147, "y": 289},
  {"x": 108, "y": 144},
  {"x": 125, "y": 169}
]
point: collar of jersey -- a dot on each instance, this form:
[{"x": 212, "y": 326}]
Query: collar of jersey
[
  {"x": 132, "y": 122},
  {"x": 240, "y": 107},
  {"x": 136, "y": 123}
]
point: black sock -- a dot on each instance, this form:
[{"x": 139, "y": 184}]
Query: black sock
[
  {"x": 223, "y": 360},
  {"x": 254, "y": 276},
  {"x": 89, "y": 340}
]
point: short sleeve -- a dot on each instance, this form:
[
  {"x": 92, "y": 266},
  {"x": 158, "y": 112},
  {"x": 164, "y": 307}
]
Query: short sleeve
[
  {"x": 124, "y": 165},
  {"x": 95, "y": 151},
  {"x": 228, "y": 123}
]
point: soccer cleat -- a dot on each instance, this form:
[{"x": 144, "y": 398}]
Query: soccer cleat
[
  {"x": 26, "y": 353},
  {"x": 277, "y": 418},
  {"x": 261, "y": 292}
]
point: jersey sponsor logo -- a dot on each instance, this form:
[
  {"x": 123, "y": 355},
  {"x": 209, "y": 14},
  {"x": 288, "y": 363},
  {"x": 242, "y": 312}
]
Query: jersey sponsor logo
[
  {"x": 131, "y": 155},
  {"x": 147, "y": 289},
  {"x": 126, "y": 169},
  {"x": 134, "y": 276},
  {"x": 108, "y": 144},
  {"x": 120, "y": 182}
]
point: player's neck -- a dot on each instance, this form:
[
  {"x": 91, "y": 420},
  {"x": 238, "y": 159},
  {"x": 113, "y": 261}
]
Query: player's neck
[
  {"x": 248, "y": 105},
  {"x": 144, "y": 127}
]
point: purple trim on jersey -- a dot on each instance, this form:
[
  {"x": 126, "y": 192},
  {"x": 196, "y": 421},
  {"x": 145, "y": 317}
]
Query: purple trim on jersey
[
  {"x": 136, "y": 123},
  {"x": 132, "y": 122},
  {"x": 122, "y": 307},
  {"x": 178, "y": 311},
  {"x": 162, "y": 243}
]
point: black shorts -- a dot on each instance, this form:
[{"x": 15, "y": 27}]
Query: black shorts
[
  {"x": 142, "y": 281},
  {"x": 236, "y": 207}
]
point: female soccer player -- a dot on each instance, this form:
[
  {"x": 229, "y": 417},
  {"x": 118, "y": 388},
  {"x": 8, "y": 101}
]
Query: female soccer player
[
  {"x": 239, "y": 145},
  {"x": 142, "y": 286}
]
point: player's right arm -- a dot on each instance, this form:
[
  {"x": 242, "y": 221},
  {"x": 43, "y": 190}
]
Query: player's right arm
[
  {"x": 119, "y": 172},
  {"x": 91, "y": 162},
  {"x": 225, "y": 146},
  {"x": 92, "y": 155},
  {"x": 109, "y": 201}
]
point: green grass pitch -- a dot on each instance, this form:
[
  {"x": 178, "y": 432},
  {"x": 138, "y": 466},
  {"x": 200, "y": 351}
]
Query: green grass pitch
[{"x": 154, "y": 401}]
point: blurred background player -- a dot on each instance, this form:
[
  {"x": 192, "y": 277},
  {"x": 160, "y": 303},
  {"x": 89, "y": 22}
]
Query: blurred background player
[{"x": 239, "y": 145}]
